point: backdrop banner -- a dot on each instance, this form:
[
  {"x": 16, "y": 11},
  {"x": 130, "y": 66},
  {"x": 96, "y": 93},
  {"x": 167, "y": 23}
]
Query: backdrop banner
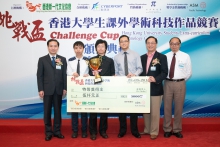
[{"x": 25, "y": 26}]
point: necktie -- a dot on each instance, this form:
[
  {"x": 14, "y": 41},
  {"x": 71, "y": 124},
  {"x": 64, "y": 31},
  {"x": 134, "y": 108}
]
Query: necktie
[
  {"x": 172, "y": 66},
  {"x": 126, "y": 63},
  {"x": 53, "y": 61},
  {"x": 78, "y": 67}
]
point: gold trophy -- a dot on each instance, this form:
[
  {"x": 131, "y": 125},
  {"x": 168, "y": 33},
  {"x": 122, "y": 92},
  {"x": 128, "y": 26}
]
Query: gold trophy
[{"x": 94, "y": 64}]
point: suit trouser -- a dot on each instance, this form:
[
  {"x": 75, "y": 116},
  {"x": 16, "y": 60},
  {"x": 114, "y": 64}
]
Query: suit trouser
[
  {"x": 173, "y": 91},
  {"x": 133, "y": 123},
  {"x": 54, "y": 100},
  {"x": 152, "y": 119},
  {"x": 103, "y": 124},
  {"x": 84, "y": 120}
]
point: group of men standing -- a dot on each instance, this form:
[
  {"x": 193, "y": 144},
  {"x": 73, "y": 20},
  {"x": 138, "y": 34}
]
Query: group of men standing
[{"x": 174, "y": 68}]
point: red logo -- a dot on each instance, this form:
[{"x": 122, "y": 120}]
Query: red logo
[{"x": 32, "y": 8}]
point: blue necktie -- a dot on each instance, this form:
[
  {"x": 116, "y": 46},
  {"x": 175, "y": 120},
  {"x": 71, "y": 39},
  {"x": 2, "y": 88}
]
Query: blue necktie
[{"x": 53, "y": 61}]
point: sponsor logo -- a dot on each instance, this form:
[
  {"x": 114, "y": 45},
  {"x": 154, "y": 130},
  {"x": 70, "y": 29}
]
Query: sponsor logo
[
  {"x": 107, "y": 7},
  {"x": 84, "y": 103},
  {"x": 48, "y": 7},
  {"x": 203, "y": 5},
  {"x": 136, "y": 6},
  {"x": 153, "y": 4},
  {"x": 177, "y": 6},
  {"x": 83, "y": 6},
  {"x": 95, "y": 6},
  {"x": 16, "y": 7},
  {"x": 153, "y": 8},
  {"x": 195, "y": 7}
]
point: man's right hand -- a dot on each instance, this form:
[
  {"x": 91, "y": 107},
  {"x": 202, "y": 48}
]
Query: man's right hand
[
  {"x": 41, "y": 94},
  {"x": 75, "y": 74}
]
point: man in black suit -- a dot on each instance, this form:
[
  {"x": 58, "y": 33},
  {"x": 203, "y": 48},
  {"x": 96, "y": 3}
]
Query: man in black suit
[
  {"x": 107, "y": 69},
  {"x": 51, "y": 80},
  {"x": 155, "y": 66}
]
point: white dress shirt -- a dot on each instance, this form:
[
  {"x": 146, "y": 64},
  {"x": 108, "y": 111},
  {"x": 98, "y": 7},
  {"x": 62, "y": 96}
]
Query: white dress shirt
[
  {"x": 72, "y": 66},
  {"x": 183, "y": 68}
]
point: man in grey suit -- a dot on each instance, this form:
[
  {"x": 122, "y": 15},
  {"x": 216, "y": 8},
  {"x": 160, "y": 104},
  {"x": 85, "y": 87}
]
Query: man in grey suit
[{"x": 51, "y": 80}]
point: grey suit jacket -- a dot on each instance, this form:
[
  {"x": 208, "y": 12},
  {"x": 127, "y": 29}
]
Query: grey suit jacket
[{"x": 50, "y": 79}]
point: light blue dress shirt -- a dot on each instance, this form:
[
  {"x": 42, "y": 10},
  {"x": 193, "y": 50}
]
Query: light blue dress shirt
[{"x": 134, "y": 63}]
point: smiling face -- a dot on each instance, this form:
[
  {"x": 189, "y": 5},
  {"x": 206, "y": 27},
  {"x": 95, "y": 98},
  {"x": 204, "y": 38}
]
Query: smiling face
[
  {"x": 124, "y": 43},
  {"x": 151, "y": 45},
  {"x": 53, "y": 47}
]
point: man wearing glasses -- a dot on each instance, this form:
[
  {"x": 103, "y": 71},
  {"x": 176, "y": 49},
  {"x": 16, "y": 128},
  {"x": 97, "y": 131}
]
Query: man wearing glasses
[
  {"x": 127, "y": 63},
  {"x": 180, "y": 70},
  {"x": 155, "y": 67}
]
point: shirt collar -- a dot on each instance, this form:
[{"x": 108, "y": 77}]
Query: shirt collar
[
  {"x": 79, "y": 58},
  {"x": 52, "y": 56},
  {"x": 151, "y": 54},
  {"x": 128, "y": 51}
]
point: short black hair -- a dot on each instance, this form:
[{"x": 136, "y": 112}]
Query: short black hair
[
  {"x": 151, "y": 37},
  {"x": 100, "y": 41},
  {"x": 79, "y": 43},
  {"x": 176, "y": 38},
  {"x": 50, "y": 40},
  {"x": 123, "y": 36}
]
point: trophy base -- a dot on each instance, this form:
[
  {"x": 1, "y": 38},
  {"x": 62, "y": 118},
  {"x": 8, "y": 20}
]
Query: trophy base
[{"x": 97, "y": 80}]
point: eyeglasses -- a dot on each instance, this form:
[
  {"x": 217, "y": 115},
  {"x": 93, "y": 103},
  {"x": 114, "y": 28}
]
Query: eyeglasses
[
  {"x": 174, "y": 44},
  {"x": 151, "y": 43},
  {"x": 126, "y": 41}
]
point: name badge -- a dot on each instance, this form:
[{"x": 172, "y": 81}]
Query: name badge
[
  {"x": 181, "y": 65},
  {"x": 153, "y": 68},
  {"x": 58, "y": 67}
]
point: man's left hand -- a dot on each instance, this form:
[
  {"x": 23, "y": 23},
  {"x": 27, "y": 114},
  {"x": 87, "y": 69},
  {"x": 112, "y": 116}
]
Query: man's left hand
[{"x": 64, "y": 93}]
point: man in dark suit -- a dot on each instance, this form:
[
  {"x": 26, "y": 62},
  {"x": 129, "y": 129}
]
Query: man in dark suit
[
  {"x": 51, "y": 80},
  {"x": 155, "y": 66},
  {"x": 107, "y": 69}
]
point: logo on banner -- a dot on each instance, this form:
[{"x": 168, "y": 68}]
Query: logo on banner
[
  {"x": 176, "y": 6},
  {"x": 136, "y": 6},
  {"x": 197, "y": 7},
  {"x": 153, "y": 8},
  {"x": 193, "y": 5},
  {"x": 17, "y": 7},
  {"x": 99, "y": 7},
  {"x": 95, "y": 6},
  {"x": 32, "y": 7},
  {"x": 203, "y": 5},
  {"x": 83, "y": 6},
  {"x": 48, "y": 7},
  {"x": 153, "y": 4}
]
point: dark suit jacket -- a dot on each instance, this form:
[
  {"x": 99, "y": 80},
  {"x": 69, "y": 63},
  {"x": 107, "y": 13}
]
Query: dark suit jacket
[
  {"x": 160, "y": 74},
  {"x": 107, "y": 66},
  {"x": 49, "y": 78}
]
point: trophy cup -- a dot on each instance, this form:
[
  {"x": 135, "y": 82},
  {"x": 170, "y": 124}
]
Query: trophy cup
[{"x": 94, "y": 64}]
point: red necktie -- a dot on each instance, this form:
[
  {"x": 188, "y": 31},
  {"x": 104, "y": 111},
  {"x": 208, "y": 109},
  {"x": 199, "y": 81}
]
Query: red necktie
[{"x": 172, "y": 66}]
